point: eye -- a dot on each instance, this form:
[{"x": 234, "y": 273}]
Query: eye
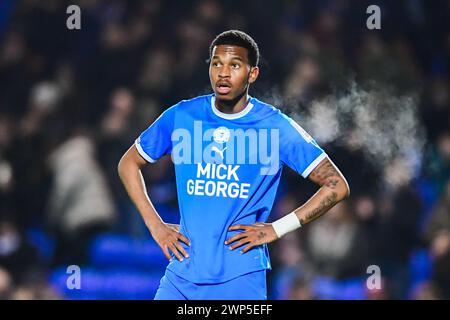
[
  {"x": 235, "y": 66},
  {"x": 215, "y": 64}
]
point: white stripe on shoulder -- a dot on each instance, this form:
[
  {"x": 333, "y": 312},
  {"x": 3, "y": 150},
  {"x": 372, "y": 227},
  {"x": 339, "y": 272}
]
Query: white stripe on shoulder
[
  {"x": 142, "y": 152},
  {"x": 314, "y": 164}
]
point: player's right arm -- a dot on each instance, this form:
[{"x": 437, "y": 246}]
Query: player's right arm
[{"x": 166, "y": 235}]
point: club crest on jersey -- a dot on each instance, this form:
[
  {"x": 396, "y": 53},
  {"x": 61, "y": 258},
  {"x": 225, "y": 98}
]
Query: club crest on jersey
[{"x": 221, "y": 135}]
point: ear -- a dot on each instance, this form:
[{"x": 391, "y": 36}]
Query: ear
[{"x": 253, "y": 75}]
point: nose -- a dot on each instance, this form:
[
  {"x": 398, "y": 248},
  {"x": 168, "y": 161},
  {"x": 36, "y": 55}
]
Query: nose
[{"x": 224, "y": 72}]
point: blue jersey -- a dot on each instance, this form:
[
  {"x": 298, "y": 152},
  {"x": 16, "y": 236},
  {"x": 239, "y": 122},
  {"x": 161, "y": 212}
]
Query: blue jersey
[{"x": 227, "y": 167}]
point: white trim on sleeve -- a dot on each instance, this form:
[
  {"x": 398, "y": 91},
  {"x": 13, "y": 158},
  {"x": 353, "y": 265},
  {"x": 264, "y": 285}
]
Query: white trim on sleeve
[
  {"x": 314, "y": 164},
  {"x": 142, "y": 152}
]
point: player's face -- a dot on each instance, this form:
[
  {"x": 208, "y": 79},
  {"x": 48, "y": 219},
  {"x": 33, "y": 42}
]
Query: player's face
[{"x": 230, "y": 72}]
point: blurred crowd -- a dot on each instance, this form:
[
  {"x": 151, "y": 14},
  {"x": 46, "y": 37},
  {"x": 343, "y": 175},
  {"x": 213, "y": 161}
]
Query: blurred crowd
[{"x": 73, "y": 101}]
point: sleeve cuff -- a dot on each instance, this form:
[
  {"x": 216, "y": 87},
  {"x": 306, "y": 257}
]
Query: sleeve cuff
[
  {"x": 142, "y": 152},
  {"x": 313, "y": 165}
]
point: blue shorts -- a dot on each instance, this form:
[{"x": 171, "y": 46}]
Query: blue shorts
[{"x": 250, "y": 286}]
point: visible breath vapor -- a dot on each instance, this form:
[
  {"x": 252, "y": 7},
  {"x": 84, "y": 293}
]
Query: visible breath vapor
[{"x": 385, "y": 126}]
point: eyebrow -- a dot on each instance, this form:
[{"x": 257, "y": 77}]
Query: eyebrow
[{"x": 232, "y": 58}]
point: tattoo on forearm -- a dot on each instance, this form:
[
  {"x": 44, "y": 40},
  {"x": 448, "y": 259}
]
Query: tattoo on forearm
[
  {"x": 324, "y": 205},
  {"x": 328, "y": 176},
  {"x": 261, "y": 235}
]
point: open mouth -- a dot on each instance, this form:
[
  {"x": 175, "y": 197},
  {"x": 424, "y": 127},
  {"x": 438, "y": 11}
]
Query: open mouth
[{"x": 223, "y": 88}]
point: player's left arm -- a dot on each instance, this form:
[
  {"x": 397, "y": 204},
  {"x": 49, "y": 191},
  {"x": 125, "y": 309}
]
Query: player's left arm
[{"x": 333, "y": 189}]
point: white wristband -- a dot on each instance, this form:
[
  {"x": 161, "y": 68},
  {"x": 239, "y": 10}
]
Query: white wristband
[{"x": 286, "y": 224}]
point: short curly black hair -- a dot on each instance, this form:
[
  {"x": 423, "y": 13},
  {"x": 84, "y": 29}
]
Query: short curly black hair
[{"x": 238, "y": 38}]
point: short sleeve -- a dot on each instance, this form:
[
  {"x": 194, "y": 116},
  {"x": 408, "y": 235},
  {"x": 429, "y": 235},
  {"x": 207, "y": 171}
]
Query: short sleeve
[
  {"x": 299, "y": 150},
  {"x": 155, "y": 141}
]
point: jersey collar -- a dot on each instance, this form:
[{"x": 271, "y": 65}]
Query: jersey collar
[{"x": 231, "y": 116}]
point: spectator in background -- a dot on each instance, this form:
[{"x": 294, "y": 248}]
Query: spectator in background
[
  {"x": 115, "y": 129},
  {"x": 292, "y": 266},
  {"x": 337, "y": 245},
  {"x": 304, "y": 78},
  {"x": 435, "y": 106},
  {"x": 438, "y": 165},
  {"x": 397, "y": 228},
  {"x": 23, "y": 272},
  {"x": 438, "y": 236},
  {"x": 31, "y": 178},
  {"x": 5, "y": 284},
  {"x": 6, "y": 168},
  {"x": 17, "y": 256},
  {"x": 300, "y": 289},
  {"x": 157, "y": 74},
  {"x": 80, "y": 202},
  {"x": 427, "y": 291}
]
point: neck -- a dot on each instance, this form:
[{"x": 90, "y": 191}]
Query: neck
[{"x": 232, "y": 106}]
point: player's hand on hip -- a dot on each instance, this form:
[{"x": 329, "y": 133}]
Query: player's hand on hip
[
  {"x": 168, "y": 237},
  {"x": 254, "y": 235}
]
